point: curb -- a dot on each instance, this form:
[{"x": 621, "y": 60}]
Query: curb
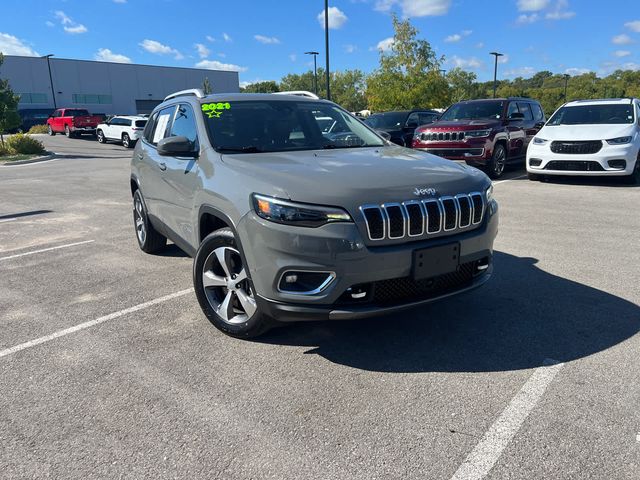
[{"x": 44, "y": 158}]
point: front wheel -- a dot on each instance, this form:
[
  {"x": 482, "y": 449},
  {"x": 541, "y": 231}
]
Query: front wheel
[
  {"x": 495, "y": 166},
  {"x": 224, "y": 289},
  {"x": 50, "y": 131},
  {"x": 101, "y": 137},
  {"x": 634, "y": 178}
]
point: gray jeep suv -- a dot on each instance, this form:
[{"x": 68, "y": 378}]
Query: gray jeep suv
[{"x": 288, "y": 222}]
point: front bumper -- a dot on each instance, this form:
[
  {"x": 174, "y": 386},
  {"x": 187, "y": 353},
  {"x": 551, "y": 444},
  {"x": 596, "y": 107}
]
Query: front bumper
[
  {"x": 272, "y": 249},
  {"x": 540, "y": 158}
]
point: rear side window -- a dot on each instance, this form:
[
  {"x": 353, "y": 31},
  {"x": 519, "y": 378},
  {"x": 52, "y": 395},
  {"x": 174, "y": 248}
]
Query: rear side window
[
  {"x": 116, "y": 121},
  {"x": 148, "y": 131},
  {"x": 162, "y": 124},
  {"x": 538, "y": 114},
  {"x": 126, "y": 122},
  {"x": 526, "y": 111},
  {"x": 184, "y": 124}
]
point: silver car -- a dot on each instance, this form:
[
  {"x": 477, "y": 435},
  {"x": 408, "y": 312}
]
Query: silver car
[{"x": 287, "y": 222}]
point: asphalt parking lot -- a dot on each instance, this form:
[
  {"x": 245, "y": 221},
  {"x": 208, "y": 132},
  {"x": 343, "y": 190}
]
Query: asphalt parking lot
[{"x": 108, "y": 368}]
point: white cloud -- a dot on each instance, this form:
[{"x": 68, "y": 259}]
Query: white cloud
[
  {"x": 119, "y": 1},
  {"x": 10, "y": 45},
  {"x": 415, "y": 8},
  {"x": 106, "y": 55},
  {"x": 520, "y": 72},
  {"x": 227, "y": 38},
  {"x": 69, "y": 25},
  {"x": 337, "y": 18},
  {"x": 293, "y": 57},
  {"x": 157, "y": 48},
  {"x": 384, "y": 45},
  {"x": 266, "y": 40},
  {"x": 469, "y": 63},
  {"x": 532, "y": 5},
  {"x": 456, "y": 37},
  {"x": 525, "y": 19},
  {"x": 633, "y": 26},
  {"x": 622, "y": 39},
  {"x": 210, "y": 38},
  {"x": 503, "y": 59},
  {"x": 49, "y": 23},
  {"x": 216, "y": 65},
  {"x": 560, "y": 12},
  {"x": 350, "y": 48},
  {"x": 622, "y": 53},
  {"x": 480, "y": 45},
  {"x": 576, "y": 71},
  {"x": 203, "y": 51}
]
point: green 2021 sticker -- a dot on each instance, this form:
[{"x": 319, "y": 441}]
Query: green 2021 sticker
[{"x": 214, "y": 110}]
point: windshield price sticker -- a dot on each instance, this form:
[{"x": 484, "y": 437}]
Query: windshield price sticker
[{"x": 214, "y": 110}]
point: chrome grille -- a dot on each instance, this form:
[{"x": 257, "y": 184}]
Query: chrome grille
[
  {"x": 429, "y": 136},
  {"x": 419, "y": 218}
]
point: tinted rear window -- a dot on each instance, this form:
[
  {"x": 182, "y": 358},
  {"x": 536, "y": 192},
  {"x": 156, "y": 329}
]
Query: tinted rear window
[
  {"x": 76, "y": 112},
  {"x": 141, "y": 123}
]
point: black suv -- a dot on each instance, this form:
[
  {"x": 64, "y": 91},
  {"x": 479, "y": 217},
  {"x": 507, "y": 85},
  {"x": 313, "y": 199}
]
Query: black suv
[
  {"x": 401, "y": 125},
  {"x": 485, "y": 133}
]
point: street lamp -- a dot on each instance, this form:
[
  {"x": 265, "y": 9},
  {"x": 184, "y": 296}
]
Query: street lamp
[
  {"x": 315, "y": 71},
  {"x": 495, "y": 72},
  {"x": 443, "y": 71},
  {"x": 566, "y": 80},
  {"x": 53, "y": 92},
  {"x": 326, "y": 45}
]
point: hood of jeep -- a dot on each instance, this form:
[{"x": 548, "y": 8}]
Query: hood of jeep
[{"x": 349, "y": 178}]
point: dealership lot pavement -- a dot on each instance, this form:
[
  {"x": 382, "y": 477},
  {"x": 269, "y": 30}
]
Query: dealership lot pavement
[{"x": 535, "y": 375}]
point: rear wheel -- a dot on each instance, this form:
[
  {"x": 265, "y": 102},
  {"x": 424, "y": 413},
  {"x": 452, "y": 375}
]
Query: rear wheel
[
  {"x": 126, "y": 141},
  {"x": 495, "y": 166},
  {"x": 149, "y": 240},
  {"x": 223, "y": 287},
  {"x": 101, "y": 137},
  {"x": 67, "y": 131},
  {"x": 50, "y": 131}
]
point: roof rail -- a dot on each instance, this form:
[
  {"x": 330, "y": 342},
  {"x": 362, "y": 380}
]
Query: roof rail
[
  {"x": 197, "y": 92},
  {"x": 300, "y": 93}
]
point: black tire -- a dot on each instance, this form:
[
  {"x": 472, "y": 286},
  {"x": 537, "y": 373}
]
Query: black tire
[
  {"x": 149, "y": 240},
  {"x": 100, "y": 136},
  {"x": 634, "y": 178},
  {"x": 67, "y": 132},
  {"x": 255, "y": 323},
  {"x": 126, "y": 141},
  {"x": 50, "y": 131},
  {"x": 496, "y": 164},
  {"x": 534, "y": 177}
]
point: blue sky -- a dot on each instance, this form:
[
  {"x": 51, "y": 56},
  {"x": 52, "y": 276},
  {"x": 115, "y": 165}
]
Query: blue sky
[{"x": 266, "y": 39}]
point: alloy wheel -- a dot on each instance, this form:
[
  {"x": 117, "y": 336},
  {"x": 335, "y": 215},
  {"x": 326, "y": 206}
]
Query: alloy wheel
[
  {"x": 499, "y": 162},
  {"x": 227, "y": 286},
  {"x": 125, "y": 140},
  {"x": 138, "y": 217}
]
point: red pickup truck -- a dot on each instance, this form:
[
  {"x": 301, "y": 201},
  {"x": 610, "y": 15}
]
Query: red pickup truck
[{"x": 72, "y": 122}]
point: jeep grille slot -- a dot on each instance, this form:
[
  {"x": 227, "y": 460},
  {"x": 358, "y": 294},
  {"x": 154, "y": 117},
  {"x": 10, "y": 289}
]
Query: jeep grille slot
[
  {"x": 442, "y": 137},
  {"x": 423, "y": 218}
]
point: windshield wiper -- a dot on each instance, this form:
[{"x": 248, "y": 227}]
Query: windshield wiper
[{"x": 245, "y": 149}]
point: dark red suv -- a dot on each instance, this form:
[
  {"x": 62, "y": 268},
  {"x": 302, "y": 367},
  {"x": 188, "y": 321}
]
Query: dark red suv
[{"x": 487, "y": 134}]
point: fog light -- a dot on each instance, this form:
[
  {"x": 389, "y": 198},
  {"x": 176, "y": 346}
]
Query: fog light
[
  {"x": 535, "y": 162},
  {"x": 305, "y": 283},
  {"x": 618, "y": 164},
  {"x": 482, "y": 266}
]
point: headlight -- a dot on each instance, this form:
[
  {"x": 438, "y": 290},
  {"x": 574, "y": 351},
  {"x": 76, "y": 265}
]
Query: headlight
[
  {"x": 540, "y": 141},
  {"x": 477, "y": 133},
  {"x": 489, "y": 193},
  {"x": 619, "y": 140},
  {"x": 298, "y": 214}
]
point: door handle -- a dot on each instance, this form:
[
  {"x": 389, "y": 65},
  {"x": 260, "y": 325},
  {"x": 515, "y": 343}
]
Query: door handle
[{"x": 163, "y": 166}]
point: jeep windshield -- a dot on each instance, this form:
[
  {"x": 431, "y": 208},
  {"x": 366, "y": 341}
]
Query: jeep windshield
[
  {"x": 473, "y": 111},
  {"x": 255, "y": 126},
  {"x": 593, "y": 115}
]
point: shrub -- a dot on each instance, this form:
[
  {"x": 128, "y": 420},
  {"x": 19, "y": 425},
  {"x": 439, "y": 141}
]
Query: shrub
[
  {"x": 38, "y": 129},
  {"x": 4, "y": 150},
  {"x": 21, "y": 143}
]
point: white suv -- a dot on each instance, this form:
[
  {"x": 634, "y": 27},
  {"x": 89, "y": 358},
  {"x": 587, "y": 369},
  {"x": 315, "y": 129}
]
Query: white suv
[
  {"x": 589, "y": 137},
  {"x": 125, "y": 129}
]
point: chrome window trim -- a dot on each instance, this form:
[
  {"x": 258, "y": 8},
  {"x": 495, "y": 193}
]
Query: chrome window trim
[
  {"x": 404, "y": 219},
  {"x": 437, "y": 202},
  {"x": 455, "y": 207},
  {"x": 423, "y": 214},
  {"x": 331, "y": 276},
  {"x": 384, "y": 221}
]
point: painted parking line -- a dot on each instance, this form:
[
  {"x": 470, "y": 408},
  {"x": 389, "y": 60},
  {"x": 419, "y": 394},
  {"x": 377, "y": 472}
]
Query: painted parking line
[
  {"x": 509, "y": 179},
  {"x": 7, "y": 220},
  {"x": 486, "y": 453},
  {"x": 92, "y": 323},
  {"x": 42, "y": 250}
]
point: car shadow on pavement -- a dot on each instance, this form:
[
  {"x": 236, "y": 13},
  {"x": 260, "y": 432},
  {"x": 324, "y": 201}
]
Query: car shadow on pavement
[
  {"x": 590, "y": 181},
  {"x": 521, "y": 317}
]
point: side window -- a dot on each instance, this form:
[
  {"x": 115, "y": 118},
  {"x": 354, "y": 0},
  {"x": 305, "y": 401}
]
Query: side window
[
  {"x": 57, "y": 113},
  {"x": 413, "y": 118},
  {"x": 161, "y": 126},
  {"x": 426, "y": 118},
  {"x": 148, "y": 131},
  {"x": 513, "y": 108},
  {"x": 526, "y": 111},
  {"x": 115, "y": 121},
  {"x": 184, "y": 124},
  {"x": 538, "y": 114},
  {"x": 126, "y": 122}
]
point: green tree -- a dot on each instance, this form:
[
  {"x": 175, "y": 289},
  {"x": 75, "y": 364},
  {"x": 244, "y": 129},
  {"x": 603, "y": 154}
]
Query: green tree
[
  {"x": 408, "y": 75},
  {"x": 269, "y": 86},
  {"x": 463, "y": 85},
  {"x": 9, "y": 117},
  {"x": 206, "y": 86}
]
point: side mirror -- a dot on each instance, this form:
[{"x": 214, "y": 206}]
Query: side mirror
[
  {"x": 516, "y": 116},
  {"x": 176, "y": 147}
]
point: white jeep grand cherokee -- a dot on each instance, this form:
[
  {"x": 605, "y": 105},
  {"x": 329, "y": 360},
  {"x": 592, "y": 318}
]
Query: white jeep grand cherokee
[{"x": 589, "y": 137}]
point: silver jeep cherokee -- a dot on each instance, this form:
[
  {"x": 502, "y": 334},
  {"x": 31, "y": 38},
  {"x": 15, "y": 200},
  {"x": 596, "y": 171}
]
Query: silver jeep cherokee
[{"x": 293, "y": 209}]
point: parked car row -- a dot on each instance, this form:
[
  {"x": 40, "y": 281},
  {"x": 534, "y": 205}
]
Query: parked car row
[{"x": 74, "y": 122}]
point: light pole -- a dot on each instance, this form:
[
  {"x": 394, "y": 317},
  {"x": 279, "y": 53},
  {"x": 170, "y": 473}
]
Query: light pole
[
  {"x": 315, "y": 71},
  {"x": 53, "y": 92},
  {"x": 326, "y": 45},
  {"x": 495, "y": 72},
  {"x": 566, "y": 80},
  {"x": 443, "y": 71}
]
